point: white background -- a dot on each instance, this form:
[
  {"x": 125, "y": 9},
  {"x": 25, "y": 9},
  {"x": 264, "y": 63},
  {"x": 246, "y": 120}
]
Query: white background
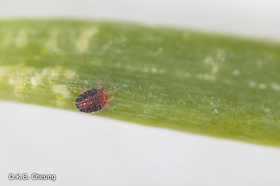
[{"x": 85, "y": 150}]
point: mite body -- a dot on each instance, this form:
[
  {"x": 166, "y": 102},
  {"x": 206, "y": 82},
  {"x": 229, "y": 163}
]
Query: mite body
[{"x": 92, "y": 100}]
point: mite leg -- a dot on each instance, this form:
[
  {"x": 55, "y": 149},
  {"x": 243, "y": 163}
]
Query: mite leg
[
  {"x": 109, "y": 91},
  {"x": 107, "y": 105},
  {"x": 81, "y": 89},
  {"x": 110, "y": 99},
  {"x": 76, "y": 91},
  {"x": 99, "y": 84}
]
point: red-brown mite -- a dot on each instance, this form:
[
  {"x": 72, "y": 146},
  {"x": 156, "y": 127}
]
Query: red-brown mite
[{"x": 92, "y": 100}]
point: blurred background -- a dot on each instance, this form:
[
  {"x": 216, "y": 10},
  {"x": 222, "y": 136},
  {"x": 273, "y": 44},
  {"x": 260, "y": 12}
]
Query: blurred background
[
  {"x": 85, "y": 150},
  {"x": 250, "y": 17}
]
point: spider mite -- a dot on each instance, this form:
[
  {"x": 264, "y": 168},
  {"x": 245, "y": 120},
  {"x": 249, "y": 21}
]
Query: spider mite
[{"x": 92, "y": 100}]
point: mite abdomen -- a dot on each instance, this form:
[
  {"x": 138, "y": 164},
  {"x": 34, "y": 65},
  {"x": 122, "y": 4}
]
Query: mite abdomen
[{"x": 90, "y": 101}]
